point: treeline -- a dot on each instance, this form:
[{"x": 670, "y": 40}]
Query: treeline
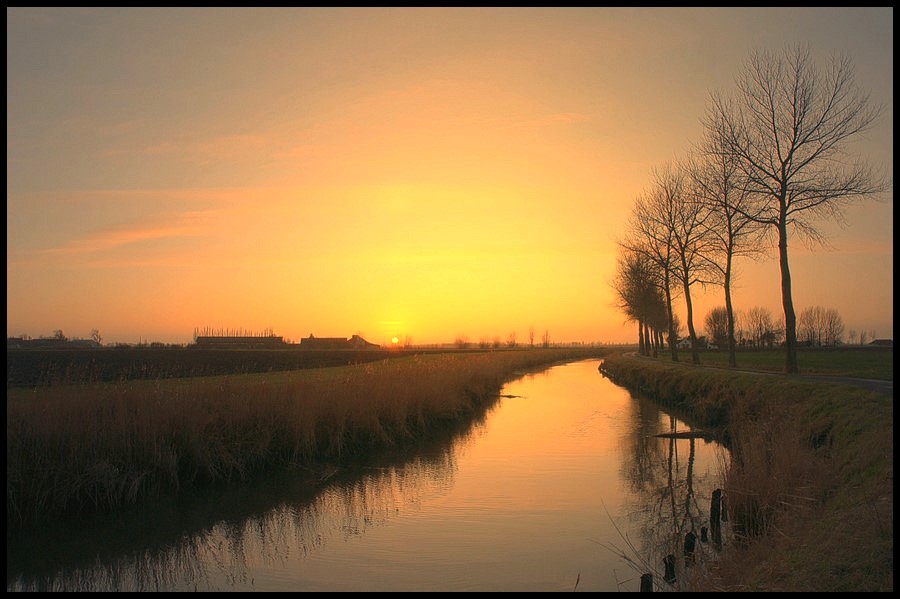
[
  {"x": 758, "y": 327},
  {"x": 772, "y": 162}
]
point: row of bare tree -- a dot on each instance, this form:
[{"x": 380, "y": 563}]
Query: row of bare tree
[
  {"x": 772, "y": 162},
  {"x": 756, "y": 326}
]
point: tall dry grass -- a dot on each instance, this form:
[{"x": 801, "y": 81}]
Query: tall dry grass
[
  {"x": 809, "y": 487},
  {"x": 101, "y": 447}
]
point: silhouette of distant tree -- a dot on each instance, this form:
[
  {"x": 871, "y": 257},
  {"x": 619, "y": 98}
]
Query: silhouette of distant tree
[
  {"x": 511, "y": 340},
  {"x": 639, "y": 296},
  {"x": 819, "y": 326},
  {"x": 761, "y": 326},
  {"x": 719, "y": 326}
]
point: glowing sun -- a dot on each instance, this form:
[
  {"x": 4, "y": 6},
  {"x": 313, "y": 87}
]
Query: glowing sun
[{"x": 394, "y": 340}]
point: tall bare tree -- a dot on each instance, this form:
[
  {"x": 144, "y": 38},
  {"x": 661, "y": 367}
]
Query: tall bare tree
[
  {"x": 717, "y": 180},
  {"x": 650, "y": 235},
  {"x": 680, "y": 210},
  {"x": 790, "y": 125}
]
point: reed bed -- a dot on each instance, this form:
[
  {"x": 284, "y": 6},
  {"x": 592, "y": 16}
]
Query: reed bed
[{"x": 101, "y": 447}]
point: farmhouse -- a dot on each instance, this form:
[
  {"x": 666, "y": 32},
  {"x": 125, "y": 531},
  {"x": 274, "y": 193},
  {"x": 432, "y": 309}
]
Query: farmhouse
[{"x": 354, "y": 342}]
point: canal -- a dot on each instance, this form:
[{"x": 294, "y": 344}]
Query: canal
[{"x": 561, "y": 485}]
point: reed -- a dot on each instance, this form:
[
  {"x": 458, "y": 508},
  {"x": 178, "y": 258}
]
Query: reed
[
  {"x": 105, "y": 446},
  {"x": 809, "y": 487}
]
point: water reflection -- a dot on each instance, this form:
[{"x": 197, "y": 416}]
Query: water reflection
[
  {"x": 560, "y": 485},
  {"x": 672, "y": 521},
  {"x": 217, "y": 540}
]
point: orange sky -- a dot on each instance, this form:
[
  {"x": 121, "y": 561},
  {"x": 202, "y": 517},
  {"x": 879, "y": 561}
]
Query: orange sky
[{"x": 421, "y": 173}]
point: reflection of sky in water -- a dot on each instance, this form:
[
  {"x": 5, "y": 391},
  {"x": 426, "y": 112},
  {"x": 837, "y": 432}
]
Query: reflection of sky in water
[{"x": 560, "y": 478}]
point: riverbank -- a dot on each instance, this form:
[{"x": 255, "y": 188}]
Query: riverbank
[{"x": 810, "y": 484}]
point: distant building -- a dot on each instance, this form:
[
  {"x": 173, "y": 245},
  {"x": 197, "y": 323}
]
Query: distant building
[
  {"x": 240, "y": 342},
  {"x": 882, "y": 342},
  {"x": 354, "y": 342}
]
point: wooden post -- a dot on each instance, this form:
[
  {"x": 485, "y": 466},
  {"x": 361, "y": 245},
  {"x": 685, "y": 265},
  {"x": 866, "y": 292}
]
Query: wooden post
[
  {"x": 647, "y": 583},
  {"x": 715, "y": 518},
  {"x": 690, "y": 544},
  {"x": 669, "y": 563}
]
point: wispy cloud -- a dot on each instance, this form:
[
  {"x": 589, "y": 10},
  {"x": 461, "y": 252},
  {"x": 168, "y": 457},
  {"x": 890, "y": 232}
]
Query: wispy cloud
[{"x": 182, "y": 225}]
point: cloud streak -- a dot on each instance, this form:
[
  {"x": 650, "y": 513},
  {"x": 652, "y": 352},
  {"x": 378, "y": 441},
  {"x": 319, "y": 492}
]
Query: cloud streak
[{"x": 188, "y": 224}]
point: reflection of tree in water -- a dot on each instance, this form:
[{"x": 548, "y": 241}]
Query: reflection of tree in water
[
  {"x": 666, "y": 509},
  {"x": 216, "y": 543}
]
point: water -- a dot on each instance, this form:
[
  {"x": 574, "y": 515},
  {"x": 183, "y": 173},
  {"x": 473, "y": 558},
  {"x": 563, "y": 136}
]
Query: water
[{"x": 559, "y": 486}]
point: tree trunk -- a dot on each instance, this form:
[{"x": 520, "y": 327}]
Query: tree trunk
[
  {"x": 729, "y": 310},
  {"x": 672, "y": 339},
  {"x": 790, "y": 318},
  {"x": 695, "y": 355},
  {"x": 641, "y": 337}
]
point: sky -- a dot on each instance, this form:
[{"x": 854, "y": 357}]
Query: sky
[{"x": 429, "y": 174}]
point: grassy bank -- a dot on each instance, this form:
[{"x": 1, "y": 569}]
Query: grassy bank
[
  {"x": 100, "y": 447},
  {"x": 861, "y": 362},
  {"x": 810, "y": 484}
]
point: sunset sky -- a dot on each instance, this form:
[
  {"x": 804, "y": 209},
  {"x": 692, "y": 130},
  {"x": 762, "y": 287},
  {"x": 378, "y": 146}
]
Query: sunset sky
[{"x": 427, "y": 173}]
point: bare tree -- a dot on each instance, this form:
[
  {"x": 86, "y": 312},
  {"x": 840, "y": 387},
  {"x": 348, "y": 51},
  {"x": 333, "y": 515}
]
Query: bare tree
[
  {"x": 863, "y": 337},
  {"x": 680, "y": 211},
  {"x": 811, "y": 326},
  {"x": 761, "y": 326},
  {"x": 531, "y": 336},
  {"x": 718, "y": 182},
  {"x": 639, "y": 297},
  {"x": 651, "y": 236},
  {"x": 819, "y": 326},
  {"x": 834, "y": 327},
  {"x": 789, "y": 127},
  {"x": 511, "y": 340},
  {"x": 719, "y": 326}
]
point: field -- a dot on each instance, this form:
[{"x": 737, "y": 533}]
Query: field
[
  {"x": 859, "y": 362},
  {"x": 47, "y": 367},
  {"x": 815, "y": 458},
  {"x": 100, "y": 446}
]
